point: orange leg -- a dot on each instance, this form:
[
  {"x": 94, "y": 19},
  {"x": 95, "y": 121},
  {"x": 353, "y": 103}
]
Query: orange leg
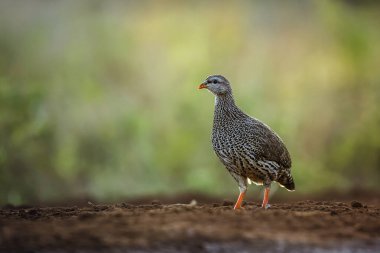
[
  {"x": 239, "y": 200},
  {"x": 266, "y": 198}
]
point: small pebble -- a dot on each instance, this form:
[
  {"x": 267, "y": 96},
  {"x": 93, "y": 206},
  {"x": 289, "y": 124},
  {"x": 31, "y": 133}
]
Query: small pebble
[{"x": 356, "y": 204}]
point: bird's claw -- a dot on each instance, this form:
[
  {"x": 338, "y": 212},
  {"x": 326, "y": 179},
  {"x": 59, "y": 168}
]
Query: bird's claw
[{"x": 267, "y": 206}]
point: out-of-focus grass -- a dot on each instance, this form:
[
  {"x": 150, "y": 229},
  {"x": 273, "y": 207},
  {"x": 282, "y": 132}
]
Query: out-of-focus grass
[{"x": 99, "y": 98}]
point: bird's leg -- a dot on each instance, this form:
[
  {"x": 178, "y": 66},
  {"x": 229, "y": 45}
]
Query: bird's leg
[
  {"x": 266, "y": 198},
  {"x": 240, "y": 199},
  {"x": 242, "y": 182}
]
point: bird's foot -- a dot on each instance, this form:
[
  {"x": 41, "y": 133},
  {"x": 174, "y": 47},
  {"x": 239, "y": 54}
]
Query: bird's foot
[{"x": 267, "y": 206}]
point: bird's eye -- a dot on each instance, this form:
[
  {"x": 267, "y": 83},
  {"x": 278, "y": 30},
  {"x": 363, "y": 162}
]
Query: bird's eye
[{"x": 215, "y": 81}]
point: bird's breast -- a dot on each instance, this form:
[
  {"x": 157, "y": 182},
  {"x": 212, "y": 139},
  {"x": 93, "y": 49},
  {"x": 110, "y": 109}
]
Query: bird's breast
[{"x": 225, "y": 138}]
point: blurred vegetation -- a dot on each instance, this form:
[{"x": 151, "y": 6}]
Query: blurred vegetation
[{"x": 98, "y": 98}]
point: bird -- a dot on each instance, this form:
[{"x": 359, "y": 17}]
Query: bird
[{"x": 249, "y": 149}]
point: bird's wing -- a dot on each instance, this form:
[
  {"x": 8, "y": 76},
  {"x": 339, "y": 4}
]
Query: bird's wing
[{"x": 267, "y": 144}]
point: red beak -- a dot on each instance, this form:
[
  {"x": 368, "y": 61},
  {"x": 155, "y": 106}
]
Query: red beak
[{"x": 202, "y": 86}]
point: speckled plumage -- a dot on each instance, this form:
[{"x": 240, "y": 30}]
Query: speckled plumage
[{"x": 248, "y": 148}]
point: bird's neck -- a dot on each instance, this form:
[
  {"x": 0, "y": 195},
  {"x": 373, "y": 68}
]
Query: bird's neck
[{"x": 225, "y": 109}]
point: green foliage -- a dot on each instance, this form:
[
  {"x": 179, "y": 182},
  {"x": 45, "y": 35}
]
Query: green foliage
[{"x": 99, "y": 99}]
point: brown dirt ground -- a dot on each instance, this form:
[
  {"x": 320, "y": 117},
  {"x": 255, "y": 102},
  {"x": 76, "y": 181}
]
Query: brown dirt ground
[{"x": 297, "y": 226}]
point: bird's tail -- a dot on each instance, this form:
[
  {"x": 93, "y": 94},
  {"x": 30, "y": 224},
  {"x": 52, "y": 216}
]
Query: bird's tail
[{"x": 285, "y": 179}]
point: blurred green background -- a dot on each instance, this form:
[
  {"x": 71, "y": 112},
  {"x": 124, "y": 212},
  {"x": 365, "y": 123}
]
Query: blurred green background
[{"x": 99, "y": 99}]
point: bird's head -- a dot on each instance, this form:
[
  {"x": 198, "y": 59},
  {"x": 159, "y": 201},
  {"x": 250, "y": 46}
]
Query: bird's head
[{"x": 217, "y": 84}]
